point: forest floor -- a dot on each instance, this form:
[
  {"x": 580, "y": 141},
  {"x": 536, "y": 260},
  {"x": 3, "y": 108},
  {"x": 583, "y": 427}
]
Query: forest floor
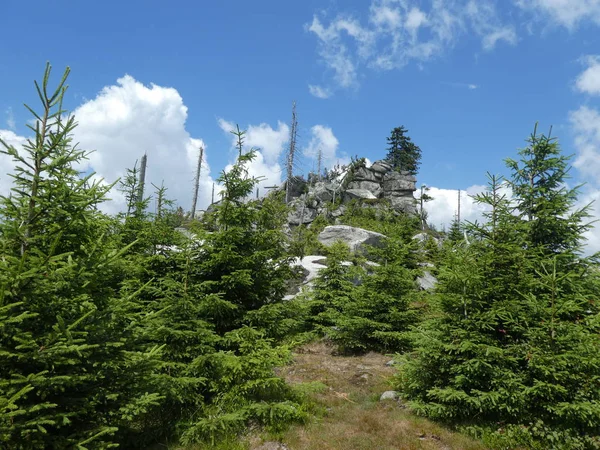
[{"x": 354, "y": 418}]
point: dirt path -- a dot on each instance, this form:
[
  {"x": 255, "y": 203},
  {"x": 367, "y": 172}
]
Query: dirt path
[{"x": 354, "y": 418}]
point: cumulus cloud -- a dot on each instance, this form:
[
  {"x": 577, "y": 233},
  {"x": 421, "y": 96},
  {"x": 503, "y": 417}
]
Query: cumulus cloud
[
  {"x": 444, "y": 206},
  {"x": 323, "y": 140},
  {"x": 124, "y": 122},
  {"x": 270, "y": 143},
  {"x": 397, "y": 32},
  {"x": 129, "y": 119},
  {"x": 566, "y": 13},
  {"x": 589, "y": 80}
]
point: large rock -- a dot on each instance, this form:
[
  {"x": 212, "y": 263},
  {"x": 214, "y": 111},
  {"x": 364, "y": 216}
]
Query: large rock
[
  {"x": 404, "y": 204},
  {"x": 354, "y": 237},
  {"x": 359, "y": 194},
  {"x": 323, "y": 192},
  {"x": 298, "y": 186},
  {"x": 381, "y": 167},
  {"x": 394, "y": 182},
  {"x": 309, "y": 268},
  {"x": 422, "y": 238},
  {"x": 372, "y": 186},
  {"x": 363, "y": 174},
  {"x": 301, "y": 213},
  {"x": 338, "y": 212},
  {"x": 427, "y": 281},
  {"x": 389, "y": 395}
]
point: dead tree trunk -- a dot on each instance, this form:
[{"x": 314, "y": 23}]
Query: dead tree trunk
[
  {"x": 142, "y": 178},
  {"x": 291, "y": 151},
  {"x": 197, "y": 183},
  {"x": 458, "y": 214}
]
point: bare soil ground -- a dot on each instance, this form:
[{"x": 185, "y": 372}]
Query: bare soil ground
[{"x": 355, "y": 419}]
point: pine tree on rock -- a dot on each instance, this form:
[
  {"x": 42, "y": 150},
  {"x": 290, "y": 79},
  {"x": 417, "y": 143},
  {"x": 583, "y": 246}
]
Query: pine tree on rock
[{"x": 403, "y": 154}]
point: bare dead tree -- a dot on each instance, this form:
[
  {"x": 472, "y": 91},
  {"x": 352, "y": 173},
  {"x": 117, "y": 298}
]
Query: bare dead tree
[
  {"x": 319, "y": 163},
  {"x": 142, "y": 181},
  {"x": 458, "y": 214},
  {"x": 291, "y": 151},
  {"x": 197, "y": 183}
]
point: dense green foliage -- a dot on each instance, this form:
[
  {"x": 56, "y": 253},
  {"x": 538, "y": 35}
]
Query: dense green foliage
[
  {"x": 123, "y": 330},
  {"x": 513, "y": 353},
  {"x": 128, "y": 331},
  {"x": 403, "y": 153}
]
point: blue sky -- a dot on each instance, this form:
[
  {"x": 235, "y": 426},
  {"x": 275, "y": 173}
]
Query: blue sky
[{"x": 468, "y": 79}]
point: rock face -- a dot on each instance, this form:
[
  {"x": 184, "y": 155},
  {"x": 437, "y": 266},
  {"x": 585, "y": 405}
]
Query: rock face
[
  {"x": 354, "y": 237},
  {"x": 361, "y": 194},
  {"x": 315, "y": 197},
  {"x": 427, "y": 281},
  {"x": 301, "y": 213},
  {"x": 372, "y": 186}
]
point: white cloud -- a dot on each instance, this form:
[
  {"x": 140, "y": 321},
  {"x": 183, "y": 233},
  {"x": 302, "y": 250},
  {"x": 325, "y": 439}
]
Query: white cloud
[
  {"x": 335, "y": 52},
  {"x": 567, "y": 13},
  {"x": 415, "y": 19},
  {"x": 128, "y": 119},
  {"x": 485, "y": 22},
  {"x": 589, "y": 80},
  {"x": 444, "y": 206},
  {"x": 319, "y": 91},
  {"x": 7, "y": 165},
  {"x": 323, "y": 139},
  {"x": 506, "y": 34},
  {"x": 270, "y": 144},
  {"x": 398, "y": 32},
  {"x": 585, "y": 123},
  {"x": 10, "y": 119}
]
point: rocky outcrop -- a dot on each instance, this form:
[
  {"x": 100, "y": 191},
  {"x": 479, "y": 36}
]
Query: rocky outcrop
[
  {"x": 372, "y": 186},
  {"x": 355, "y": 238},
  {"x": 398, "y": 188},
  {"x": 379, "y": 181}
]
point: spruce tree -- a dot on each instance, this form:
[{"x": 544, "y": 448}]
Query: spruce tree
[
  {"x": 333, "y": 288},
  {"x": 455, "y": 234},
  {"x": 403, "y": 154},
  {"x": 245, "y": 258},
  {"x": 71, "y": 375},
  {"x": 514, "y": 353},
  {"x": 235, "y": 276},
  {"x": 377, "y": 313}
]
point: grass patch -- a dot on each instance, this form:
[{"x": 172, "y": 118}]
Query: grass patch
[{"x": 347, "y": 390}]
